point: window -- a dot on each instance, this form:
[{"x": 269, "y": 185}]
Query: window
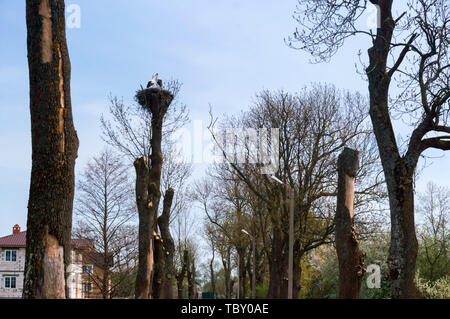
[
  {"x": 88, "y": 287},
  {"x": 88, "y": 269},
  {"x": 10, "y": 282},
  {"x": 11, "y": 255}
]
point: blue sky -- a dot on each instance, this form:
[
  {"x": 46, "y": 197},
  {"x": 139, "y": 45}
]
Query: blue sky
[{"x": 222, "y": 51}]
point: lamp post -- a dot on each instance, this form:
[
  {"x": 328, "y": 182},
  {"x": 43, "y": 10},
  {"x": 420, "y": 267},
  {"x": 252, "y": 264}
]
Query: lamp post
[
  {"x": 291, "y": 236},
  {"x": 254, "y": 264}
]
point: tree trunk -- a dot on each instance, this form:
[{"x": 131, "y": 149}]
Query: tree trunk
[
  {"x": 404, "y": 246},
  {"x": 242, "y": 273},
  {"x": 182, "y": 274},
  {"x": 249, "y": 270},
  {"x": 275, "y": 265},
  {"x": 227, "y": 273},
  {"x": 145, "y": 254},
  {"x": 397, "y": 171},
  {"x": 298, "y": 255},
  {"x": 158, "y": 270},
  {"x": 148, "y": 180},
  {"x": 191, "y": 277},
  {"x": 351, "y": 259},
  {"x": 54, "y": 150},
  {"x": 169, "y": 246},
  {"x": 213, "y": 277}
]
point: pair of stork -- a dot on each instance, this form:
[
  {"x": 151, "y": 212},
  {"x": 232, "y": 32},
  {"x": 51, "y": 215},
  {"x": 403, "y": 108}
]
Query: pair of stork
[{"x": 155, "y": 82}]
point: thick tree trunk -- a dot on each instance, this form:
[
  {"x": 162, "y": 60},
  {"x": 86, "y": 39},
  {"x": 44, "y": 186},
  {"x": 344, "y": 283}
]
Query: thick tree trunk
[
  {"x": 156, "y": 102},
  {"x": 158, "y": 270},
  {"x": 397, "y": 171},
  {"x": 275, "y": 265},
  {"x": 145, "y": 254},
  {"x": 298, "y": 255},
  {"x": 169, "y": 246},
  {"x": 54, "y": 150},
  {"x": 296, "y": 288},
  {"x": 351, "y": 259},
  {"x": 404, "y": 246}
]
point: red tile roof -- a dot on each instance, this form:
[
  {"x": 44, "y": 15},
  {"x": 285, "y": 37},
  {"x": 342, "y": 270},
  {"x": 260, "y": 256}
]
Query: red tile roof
[
  {"x": 20, "y": 239},
  {"x": 15, "y": 240}
]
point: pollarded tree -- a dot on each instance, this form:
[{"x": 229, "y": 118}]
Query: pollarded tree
[
  {"x": 54, "y": 150},
  {"x": 411, "y": 49},
  {"x": 139, "y": 132}
]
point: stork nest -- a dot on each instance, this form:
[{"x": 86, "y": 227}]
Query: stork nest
[{"x": 152, "y": 98}]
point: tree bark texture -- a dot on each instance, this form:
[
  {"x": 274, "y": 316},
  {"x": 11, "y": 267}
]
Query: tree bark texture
[
  {"x": 148, "y": 182},
  {"x": 351, "y": 259},
  {"x": 158, "y": 270},
  {"x": 54, "y": 150},
  {"x": 169, "y": 245}
]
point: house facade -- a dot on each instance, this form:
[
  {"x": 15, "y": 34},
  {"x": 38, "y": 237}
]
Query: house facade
[{"x": 12, "y": 263}]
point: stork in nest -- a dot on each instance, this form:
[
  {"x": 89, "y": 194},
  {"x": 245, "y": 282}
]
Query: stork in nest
[{"x": 155, "y": 82}]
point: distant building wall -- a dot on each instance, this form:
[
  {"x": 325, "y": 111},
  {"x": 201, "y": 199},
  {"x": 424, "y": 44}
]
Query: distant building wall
[{"x": 10, "y": 269}]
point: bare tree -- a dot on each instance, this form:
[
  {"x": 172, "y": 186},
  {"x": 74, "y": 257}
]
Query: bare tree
[
  {"x": 54, "y": 150},
  {"x": 104, "y": 206},
  {"x": 222, "y": 227},
  {"x": 314, "y": 126},
  {"x": 411, "y": 49}
]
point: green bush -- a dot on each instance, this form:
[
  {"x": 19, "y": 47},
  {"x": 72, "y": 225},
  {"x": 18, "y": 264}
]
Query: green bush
[
  {"x": 439, "y": 289},
  {"x": 262, "y": 291}
]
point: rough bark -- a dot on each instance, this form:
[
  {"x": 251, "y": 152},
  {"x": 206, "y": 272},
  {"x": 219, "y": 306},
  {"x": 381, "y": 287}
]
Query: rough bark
[
  {"x": 398, "y": 171},
  {"x": 148, "y": 182},
  {"x": 54, "y": 150},
  {"x": 145, "y": 266},
  {"x": 158, "y": 270},
  {"x": 169, "y": 245},
  {"x": 351, "y": 259}
]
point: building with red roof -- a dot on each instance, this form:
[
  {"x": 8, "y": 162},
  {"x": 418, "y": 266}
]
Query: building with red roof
[{"x": 12, "y": 263}]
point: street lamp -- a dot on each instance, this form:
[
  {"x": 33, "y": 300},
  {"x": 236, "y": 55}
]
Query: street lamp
[
  {"x": 254, "y": 264},
  {"x": 291, "y": 236}
]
